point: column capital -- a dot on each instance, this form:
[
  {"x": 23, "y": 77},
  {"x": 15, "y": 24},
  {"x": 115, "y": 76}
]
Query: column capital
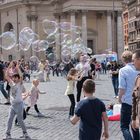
[
  {"x": 56, "y": 15},
  {"x": 84, "y": 11},
  {"x": 32, "y": 17},
  {"x": 119, "y": 13},
  {"x": 109, "y": 13},
  {"x": 63, "y": 15}
]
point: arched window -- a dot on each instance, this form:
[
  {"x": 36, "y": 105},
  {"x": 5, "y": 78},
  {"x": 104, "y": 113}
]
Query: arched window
[{"x": 8, "y": 27}]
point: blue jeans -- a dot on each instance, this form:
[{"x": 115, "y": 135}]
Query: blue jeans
[
  {"x": 3, "y": 90},
  {"x": 115, "y": 83},
  {"x": 126, "y": 112}
]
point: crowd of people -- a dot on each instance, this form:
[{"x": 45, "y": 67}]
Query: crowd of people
[{"x": 91, "y": 111}]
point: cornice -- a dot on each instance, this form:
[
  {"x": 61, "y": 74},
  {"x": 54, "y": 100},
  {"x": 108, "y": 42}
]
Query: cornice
[{"x": 12, "y": 4}]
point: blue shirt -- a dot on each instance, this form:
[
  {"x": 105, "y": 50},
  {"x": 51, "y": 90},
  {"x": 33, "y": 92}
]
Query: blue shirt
[
  {"x": 127, "y": 76},
  {"x": 90, "y": 112}
]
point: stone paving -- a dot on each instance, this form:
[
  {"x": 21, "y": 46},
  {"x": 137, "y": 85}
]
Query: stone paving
[{"x": 55, "y": 105}]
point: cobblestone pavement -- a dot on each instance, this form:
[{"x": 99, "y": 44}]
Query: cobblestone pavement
[{"x": 54, "y": 105}]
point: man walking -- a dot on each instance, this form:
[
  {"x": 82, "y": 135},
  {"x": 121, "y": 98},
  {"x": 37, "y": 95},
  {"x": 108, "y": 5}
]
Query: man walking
[
  {"x": 2, "y": 75},
  {"x": 127, "y": 76}
]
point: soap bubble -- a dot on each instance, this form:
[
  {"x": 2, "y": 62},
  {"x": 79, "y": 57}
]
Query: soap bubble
[
  {"x": 40, "y": 45},
  {"x": 50, "y": 27},
  {"x": 8, "y": 40},
  {"x": 34, "y": 59},
  {"x": 26, "y": 37},
  {"x": 52, "y": 59},
  {"x": 65, "y": 26},
  {"x": 66, "y": 56},
  {"x": 51, "y": 39},
  {"x": 89, "y": 50}
]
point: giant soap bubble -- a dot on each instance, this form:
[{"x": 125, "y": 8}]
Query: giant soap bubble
[
  {"x": 50, "y": 27},
  {"x": 34, "y": 59},
  {"x": 52, "y": 59},
  {"x": 51, "y": 39},
  {"x": 65, "y": 26},
  {"x": 8, "y": 40},
  {"x": 89, "y": 50},
  {"x": 39, "y": 45},
  {"x": 66, "y": 56},
  {"x": 26, "y": 37}
]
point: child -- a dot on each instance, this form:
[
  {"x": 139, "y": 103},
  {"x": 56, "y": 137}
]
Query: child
[
  {"x": 33, "y": 97},
  {"x": 71, "y": 77},
  {"x": 90, "y": 111},
  {"x": 17, "y": 88}
]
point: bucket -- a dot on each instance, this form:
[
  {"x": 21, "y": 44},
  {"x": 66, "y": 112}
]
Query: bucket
[{"x": 117, "y": 109}]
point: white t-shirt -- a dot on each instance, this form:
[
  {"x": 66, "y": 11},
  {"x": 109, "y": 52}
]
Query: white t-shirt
[
  {"x": 70, "y": 87},
  {"x": 85, "y": 68},
  {"x": 16, "y": 92}
]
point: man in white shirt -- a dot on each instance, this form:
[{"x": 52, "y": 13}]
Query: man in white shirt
[{"x": 84, "y": 67}]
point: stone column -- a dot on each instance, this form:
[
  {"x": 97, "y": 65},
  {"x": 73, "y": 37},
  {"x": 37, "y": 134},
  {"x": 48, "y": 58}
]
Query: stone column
[
  {"x": 120, "y": 41},
  {"x": 109, "y": 31},
  {"x": 32, "y": 16},
  {"x": 84, "y": 27},
  {"x": 72, "y": 17},
  {"x": 73, "y": 24},
  {"x": 57, "y": 44}
]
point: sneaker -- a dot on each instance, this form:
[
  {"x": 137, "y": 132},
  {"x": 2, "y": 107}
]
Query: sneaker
[
  {"x": 25, "y": 136},
  {"x": 7, "y": 103},
  {"x": 117, "y": 97},
  {"x": 17, "y": 124},
  {"x": 27, "y": 113},
  {"x": 40, "y": 114},
  {"x": 7, "y": 137}
]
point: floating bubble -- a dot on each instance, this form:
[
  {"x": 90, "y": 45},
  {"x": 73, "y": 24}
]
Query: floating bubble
[
  {"x": 65, "y": 26},
  {"x": 26, "y": 37},
  {"x": 34, "y": 59},
  {"x": 89, "y": 50},
  {"x": 17, "y": 48},
  {"x": 79, "y": 48},
  {"x": 78, "y": 41},
  {"x": 36, "y": 37},
  {"x": 8, "y": 40},
  {"x": 77, "y": 30},
  {"x": 51, "y": 39},
  {"x": 60, "y": 38},
  {"x": 39, "y": 45},
  {"x": 52, "y": 59},
  {"x": 61, "y": 66},
  {"x": 50, "y": 27},
  {"x": 43, "y": 44},
  {"x": 66, "y": 56},
  {"x": 68, "y": 40},
  {"x": 35, "y": 46}
]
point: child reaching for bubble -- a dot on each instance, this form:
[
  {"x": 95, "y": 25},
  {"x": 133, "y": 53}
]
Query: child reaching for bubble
[
  {"x": 72, "y": 76},
  {"x": 33, "y": 97}
]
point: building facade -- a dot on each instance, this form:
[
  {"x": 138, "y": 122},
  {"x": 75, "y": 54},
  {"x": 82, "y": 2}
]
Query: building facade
[
  {"x": 134, "y": 24},
  {"x": 100, "y": 20},
  {"x": 125, "y": 26}
]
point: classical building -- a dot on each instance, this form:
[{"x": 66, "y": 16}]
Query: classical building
[
  {"x": 134, "y": 24},
  {"x": 125, "y": 26},
  {"x": 101, "y": 22},
  {"x": 138, "y": 23}
]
